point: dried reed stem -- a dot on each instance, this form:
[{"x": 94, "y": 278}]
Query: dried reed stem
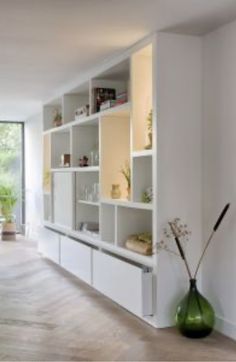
[{"x": 181, "y": 251}]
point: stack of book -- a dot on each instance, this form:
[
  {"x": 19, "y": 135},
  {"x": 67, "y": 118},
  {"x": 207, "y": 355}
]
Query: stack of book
[
  {"x": 121, "y": 98},
  {"x": 107, "y": 104},
  {"x": 101, "y": 95}
]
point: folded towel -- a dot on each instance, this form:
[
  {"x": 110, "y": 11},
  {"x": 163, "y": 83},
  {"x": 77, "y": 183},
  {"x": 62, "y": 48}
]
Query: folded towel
[{"x": 141, "y": 247}]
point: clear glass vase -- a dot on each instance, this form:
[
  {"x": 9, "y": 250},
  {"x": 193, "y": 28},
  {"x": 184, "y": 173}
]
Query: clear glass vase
[{"x": 195, "y": 316}]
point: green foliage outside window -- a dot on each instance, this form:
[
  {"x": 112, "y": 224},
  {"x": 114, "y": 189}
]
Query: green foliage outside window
[
  {"x": 10, "y": 153},
  {"x": 10, "y": 166}
]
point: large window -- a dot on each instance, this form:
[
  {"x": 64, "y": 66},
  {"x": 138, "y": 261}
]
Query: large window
[{"x": 12, "y": 163}]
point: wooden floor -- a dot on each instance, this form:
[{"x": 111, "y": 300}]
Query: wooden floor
[{"x": 48, "y": 315}]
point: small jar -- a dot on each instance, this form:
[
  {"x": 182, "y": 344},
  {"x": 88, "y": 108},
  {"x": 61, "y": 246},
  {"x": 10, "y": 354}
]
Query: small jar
[{"x": 115, "y": 191}]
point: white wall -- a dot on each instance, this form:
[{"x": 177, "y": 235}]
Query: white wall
[
  {"x": 179, "y": 153},
  {"x": 33, "y": 174},
  {"x": 219, "y": 172}
]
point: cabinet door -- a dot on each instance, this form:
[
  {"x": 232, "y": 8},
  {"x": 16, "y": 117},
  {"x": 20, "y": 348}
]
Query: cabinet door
[
  {"x": 63, "y": 198},
  {"x": 49, "y": 244},
  {"x": 127, "y": 284},
  {"x": 76, "y": 258}
]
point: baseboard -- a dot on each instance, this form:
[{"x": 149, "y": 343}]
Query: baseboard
[{"x": 226, "y": 327}]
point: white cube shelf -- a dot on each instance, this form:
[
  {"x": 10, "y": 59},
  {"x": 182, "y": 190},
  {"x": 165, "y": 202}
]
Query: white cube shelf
[
  {"x": 60, "y": 144},
  {"x": 142, "y": 176},
  {"x": 132, "y": 221},
  {"x": 122, "y": 133}
]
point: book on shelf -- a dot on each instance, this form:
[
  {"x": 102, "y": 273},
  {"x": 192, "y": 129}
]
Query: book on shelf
[
  {"x": 118, "y": 102},
  {"x": 107, "y": 104},
  {"x": 120, "y": 99},
  {"x": 100, "y": 95},
  {"x": 122, "y": 96}
]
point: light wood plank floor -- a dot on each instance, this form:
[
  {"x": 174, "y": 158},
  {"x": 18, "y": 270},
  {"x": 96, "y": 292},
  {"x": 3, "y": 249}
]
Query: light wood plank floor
[{"x": 48, "y": 315}]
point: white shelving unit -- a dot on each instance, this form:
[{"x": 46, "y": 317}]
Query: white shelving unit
[
  {"x": 111, "y": 132},
  {"x": 75, "y": 195}
]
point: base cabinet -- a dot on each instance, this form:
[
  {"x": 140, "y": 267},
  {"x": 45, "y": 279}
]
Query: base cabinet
[
  {"x": 49, "y": 244},
  {"x": 76, "y": 258},
  {"x": 127, "y": 284}
]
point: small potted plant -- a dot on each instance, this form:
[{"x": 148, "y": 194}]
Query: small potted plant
[
  {"x": 57, "y": 120},
  {"x": 8, "y": 200}
]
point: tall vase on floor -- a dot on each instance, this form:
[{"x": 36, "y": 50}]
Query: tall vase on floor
[{"x": 195, "y": 316}]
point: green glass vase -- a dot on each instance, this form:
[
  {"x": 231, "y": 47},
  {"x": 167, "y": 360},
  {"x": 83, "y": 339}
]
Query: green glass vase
[{"x": 195, "y": 316}]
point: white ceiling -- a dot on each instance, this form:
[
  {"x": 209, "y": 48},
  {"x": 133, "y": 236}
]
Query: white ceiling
[{"x": 45, "y": 44}]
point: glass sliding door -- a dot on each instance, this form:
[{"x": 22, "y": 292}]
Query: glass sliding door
[{"x": 12, "y": 164}]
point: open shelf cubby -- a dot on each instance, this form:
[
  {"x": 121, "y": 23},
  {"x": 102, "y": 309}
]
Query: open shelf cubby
[
  {"x": 60, "y": 144},
  {"x": 115, "y": 152},
  {"x": 78, "y": 97},
  {"x": 142, "y": 177},
  {"x": 87, "y": 198},
  {"x": 85, "y": 142},
  {"x": 49, "y": 111},
  {"x": 116, "y": 78},
  {"x": 85, "y": 214},
  {"x": 141, "y": 93},
  {"x": 87, "y": 187},
  {"x": 132, "y": 221}
]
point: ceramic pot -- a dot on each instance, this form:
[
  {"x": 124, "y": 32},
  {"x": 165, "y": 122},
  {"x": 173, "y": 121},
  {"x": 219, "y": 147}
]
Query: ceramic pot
[
  {"x": 9, "y": 231},
  {"x": 115, "y": 191}
]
